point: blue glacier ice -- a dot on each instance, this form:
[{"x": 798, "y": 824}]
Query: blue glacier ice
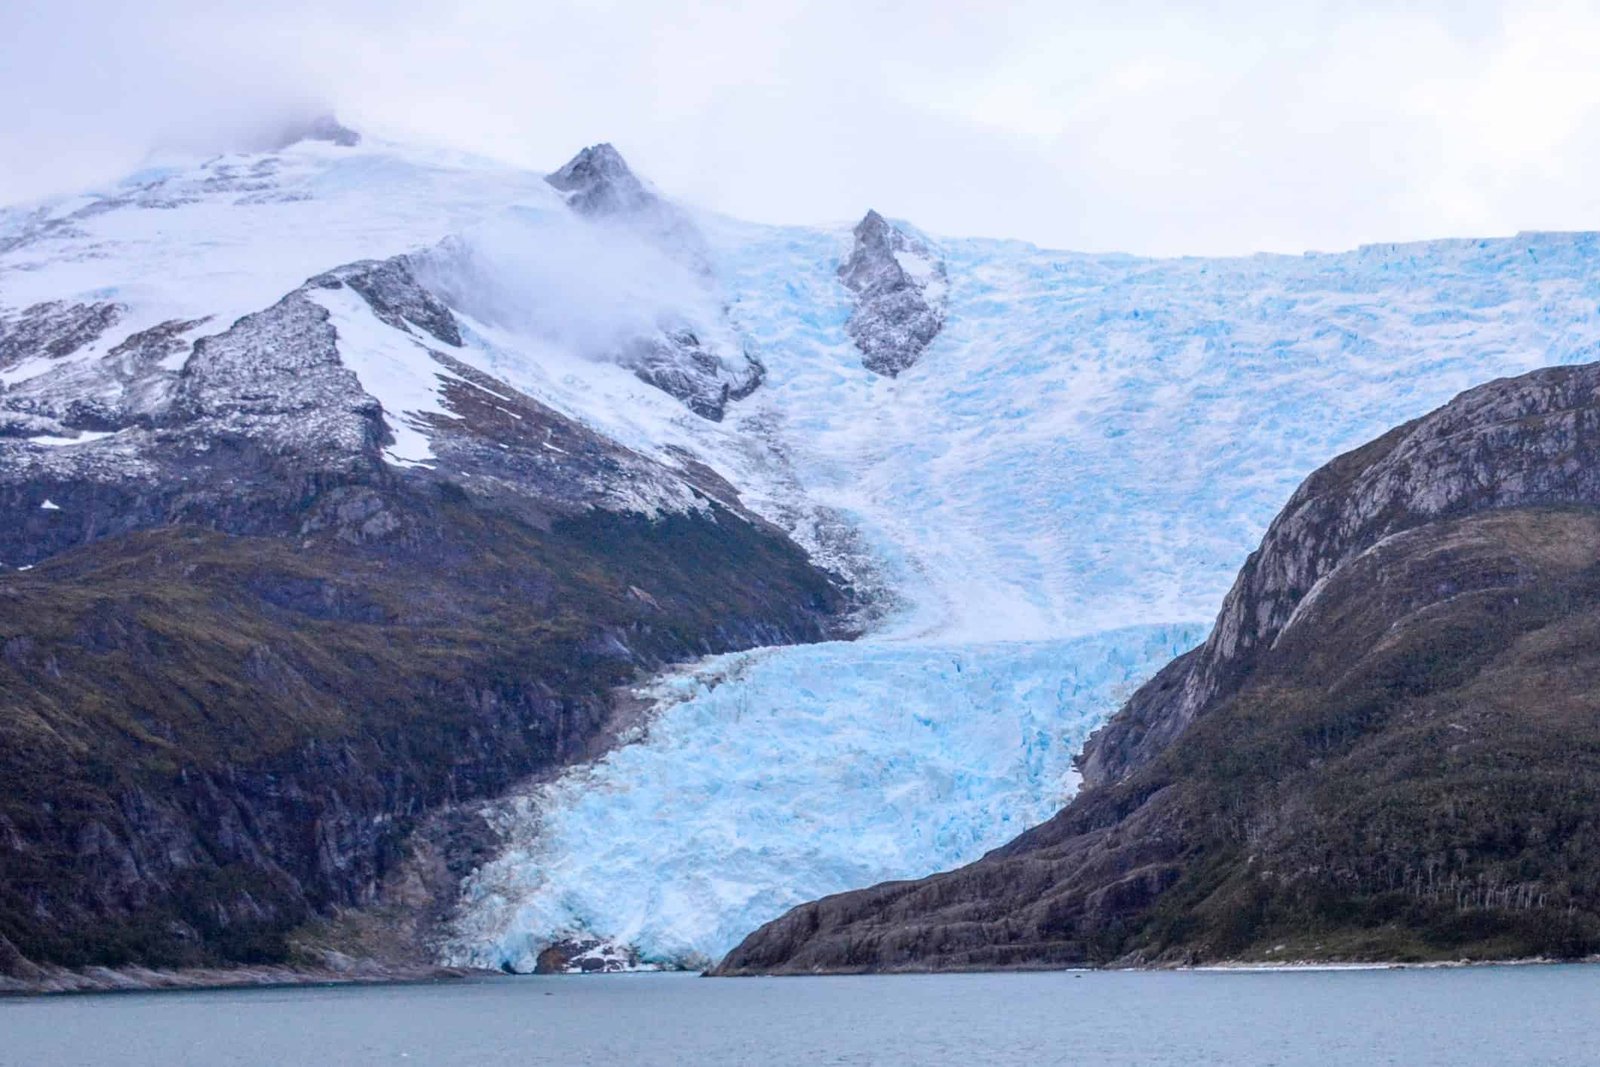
[
  {"x": 1051, "y": 501},
  {"x": 771, "y": 777}
]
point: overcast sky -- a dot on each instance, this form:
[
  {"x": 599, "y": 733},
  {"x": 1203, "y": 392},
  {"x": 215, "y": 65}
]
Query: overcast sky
[{"x": 1140, "y": 126}]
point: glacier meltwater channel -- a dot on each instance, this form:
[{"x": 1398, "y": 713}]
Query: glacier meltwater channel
[{"x": 1058, "y": 494}]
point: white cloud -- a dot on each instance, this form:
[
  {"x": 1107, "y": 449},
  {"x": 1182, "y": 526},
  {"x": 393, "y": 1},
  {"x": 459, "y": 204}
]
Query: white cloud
[{"x": 1149, "y": 126}]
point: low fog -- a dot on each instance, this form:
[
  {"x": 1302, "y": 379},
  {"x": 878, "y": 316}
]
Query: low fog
[
  {"x": 590, "y": 288},
  {"x": 1147, "y": 126}
]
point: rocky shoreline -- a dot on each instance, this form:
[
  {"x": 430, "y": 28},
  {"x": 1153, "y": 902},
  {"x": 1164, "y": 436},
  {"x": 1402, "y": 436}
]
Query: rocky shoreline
[
  {"x": 50, "y": 980},
  {"x": 349, "y": 971}
]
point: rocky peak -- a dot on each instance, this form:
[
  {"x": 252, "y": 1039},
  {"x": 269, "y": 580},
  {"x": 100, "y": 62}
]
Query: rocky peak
[
  {"x": 598, "y": 182},
  {"x": 900, "y": 287},
  {"x": 322, "y": 128},
  {"x": 705, "y": 375},
  {"x": 876, "y": 242}
]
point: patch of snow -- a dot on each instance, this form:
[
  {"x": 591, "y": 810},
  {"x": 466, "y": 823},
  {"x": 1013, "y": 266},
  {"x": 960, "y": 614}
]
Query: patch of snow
[
  {"x": 923, "y": 268},
  {"x": 49, "y": 505},
  {"x": 394, "y": 368},
  {"x": 920, "y": 267},
  {"x": 28, "y": 368},
  {"x": 84, "y": 437}
]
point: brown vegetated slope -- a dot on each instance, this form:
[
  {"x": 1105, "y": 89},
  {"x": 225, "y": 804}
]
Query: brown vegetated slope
[{"x": 207, "y": 739}]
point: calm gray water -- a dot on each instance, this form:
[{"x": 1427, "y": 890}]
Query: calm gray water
[{"x": 1501, "y": 1016}]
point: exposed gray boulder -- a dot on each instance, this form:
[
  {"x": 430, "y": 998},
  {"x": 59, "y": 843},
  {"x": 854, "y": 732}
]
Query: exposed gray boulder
[{"x": 900, "y": 285}]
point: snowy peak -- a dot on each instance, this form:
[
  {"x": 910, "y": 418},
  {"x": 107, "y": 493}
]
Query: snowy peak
[
  {"x": 322, "y": 128},
  {"x": 598, "y": 183},
  {"x": 900, "y": 285},
  {"x": 688, "y": 350},
  {"x": 362, "y": 374}
]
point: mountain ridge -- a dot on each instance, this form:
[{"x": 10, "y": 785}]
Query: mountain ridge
[{"x": 287, "y": 590}]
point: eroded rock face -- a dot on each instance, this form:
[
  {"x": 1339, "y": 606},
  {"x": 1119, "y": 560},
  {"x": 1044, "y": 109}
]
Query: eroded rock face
[
  {"x": 52, "y": 330},
  {"x": 900, "y": 286},
  {"x": 390, "y": 287},
  {"x": 130, "y": 382},
  {"x": 276, "y": 377},
  {"x": 1509, "y": 443}
]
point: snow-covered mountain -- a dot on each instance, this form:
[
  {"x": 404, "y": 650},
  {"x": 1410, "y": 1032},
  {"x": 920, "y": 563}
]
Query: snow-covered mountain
[{"x": 1039, "y": 470}]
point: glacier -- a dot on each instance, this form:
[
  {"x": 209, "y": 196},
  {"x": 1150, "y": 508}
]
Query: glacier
[
  {"x": 1041, "y": 510},
  {"x": 1055, "y": 497}
]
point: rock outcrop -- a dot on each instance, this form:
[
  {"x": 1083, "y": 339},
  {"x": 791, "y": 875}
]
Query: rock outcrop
[
  {"x": 1388, "y": 748},
  {"x": 1522, "y": 442},
  {"x": 599, "y": 183},
  {"x": 900, "y": 288}
]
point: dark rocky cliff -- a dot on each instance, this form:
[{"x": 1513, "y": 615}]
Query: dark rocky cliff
[{"x": 1389, "y": 748}]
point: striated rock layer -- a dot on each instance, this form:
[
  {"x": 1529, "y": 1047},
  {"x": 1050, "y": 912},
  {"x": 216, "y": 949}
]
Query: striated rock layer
[{"x": 1389, "y": 748}]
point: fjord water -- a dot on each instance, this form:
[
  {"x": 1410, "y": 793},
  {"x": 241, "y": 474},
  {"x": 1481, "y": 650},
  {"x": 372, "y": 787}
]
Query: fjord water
[{"x": 1500, "y": 1015}]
